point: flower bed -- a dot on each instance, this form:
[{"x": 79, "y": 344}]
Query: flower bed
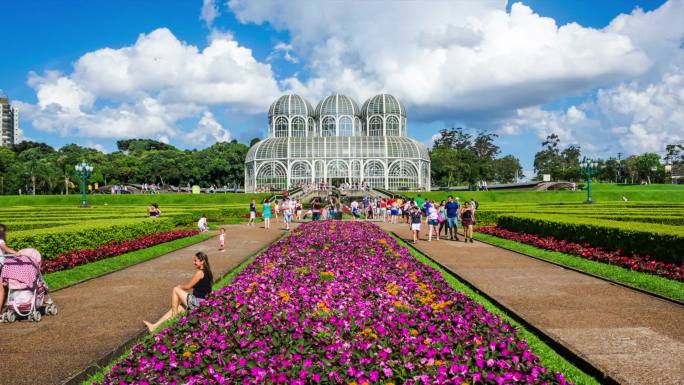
[
  {"x": 81, "y": 257},
  {"x": 335, "y": 303},
  {"x": 635, "y": 262}
]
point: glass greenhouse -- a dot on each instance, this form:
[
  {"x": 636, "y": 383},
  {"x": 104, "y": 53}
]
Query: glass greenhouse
[{"x": 337, "y": 143}]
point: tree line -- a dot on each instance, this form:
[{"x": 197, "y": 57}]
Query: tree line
[
  {"x": 458, "y": 158},
  {"x": 565, "y": 164},
  {"x": 32, "y": 167}
]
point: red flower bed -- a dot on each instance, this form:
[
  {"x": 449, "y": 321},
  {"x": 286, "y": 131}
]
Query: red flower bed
[
  {"x": 81, "y": 257},
  {"x": 636, "y": 262}
]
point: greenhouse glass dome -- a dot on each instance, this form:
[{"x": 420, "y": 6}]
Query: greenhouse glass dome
[{"x": 337, "y": 143}]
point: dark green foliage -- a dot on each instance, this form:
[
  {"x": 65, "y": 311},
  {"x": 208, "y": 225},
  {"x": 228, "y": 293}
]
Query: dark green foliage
[{"x": 662, "y": 242}]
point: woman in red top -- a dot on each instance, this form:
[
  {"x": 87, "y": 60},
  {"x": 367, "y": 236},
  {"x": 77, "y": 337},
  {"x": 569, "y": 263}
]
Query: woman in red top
[{"x": 383, "y": 209}]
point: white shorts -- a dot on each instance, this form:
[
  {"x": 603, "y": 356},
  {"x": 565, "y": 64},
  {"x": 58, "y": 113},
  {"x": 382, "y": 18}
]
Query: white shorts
[
  {"x": 415, "y": 226},
  {"x": 252, "y": 215}
]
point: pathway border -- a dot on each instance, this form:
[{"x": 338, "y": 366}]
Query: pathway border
[
  {"x": 576, "y": 359},
  {"x": 643, "y": 291}
]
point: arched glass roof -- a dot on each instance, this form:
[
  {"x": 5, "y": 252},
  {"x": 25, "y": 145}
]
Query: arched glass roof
[
  {"x": 352, "y": 147},
  {"x": 383, "y": 104},
  {"x": 337, "y": 105},
  {"x": 291, "y": 104}
]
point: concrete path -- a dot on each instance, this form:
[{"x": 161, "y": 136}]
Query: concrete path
[
  {"x": 634, "y": 337},
  {"x": 100, "y": 315}
]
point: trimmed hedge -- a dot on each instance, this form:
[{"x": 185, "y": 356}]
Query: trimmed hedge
[
  {"x": 662, "y": 242},
  {"x": 54, "y": 241}
]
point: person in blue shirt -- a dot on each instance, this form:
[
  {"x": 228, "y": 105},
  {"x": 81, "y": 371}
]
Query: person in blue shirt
[{"x": 451, "y": 208}]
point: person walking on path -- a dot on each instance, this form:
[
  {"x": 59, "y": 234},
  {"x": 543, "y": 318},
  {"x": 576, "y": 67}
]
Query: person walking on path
[
  {"x": 287, "y": 212},
  {"x": 415, "y": 223},
  {"x": 222, "y": 240},
  {"x": 468, "y": 219},
  {"x": 200, "y": 283},
  {"x": 316, "y": 210},
  {"x": 452, "y": 207},
  {"x": 252, "y": 213},
  {"x": 276, "y": 210},
  {"x": 383, "y": 209},
  {"x": 267, "y": 214},
  {"x": 394, "y": 211},
  {"x": 442, "y": 219},
  {"x": 433, "y": 221}
]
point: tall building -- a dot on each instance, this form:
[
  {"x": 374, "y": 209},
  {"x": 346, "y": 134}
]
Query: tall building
[
  {"x": 9, "y": 123},
  {"x": 337, "y": 142}
]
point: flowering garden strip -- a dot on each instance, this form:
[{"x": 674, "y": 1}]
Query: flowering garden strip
[
  {"x": 75, "y": 258},
  {"x": 65, "y": 278},
  {"x": 336, "y": 302},
  {"x": 634, "y": 262},
  {"x": 549, "y": 357},
  {"x": 647, "y": 282}
]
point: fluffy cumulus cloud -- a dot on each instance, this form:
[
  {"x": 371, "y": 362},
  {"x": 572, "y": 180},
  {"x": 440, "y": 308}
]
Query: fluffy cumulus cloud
[
  {"x": 450, "y": 58},
  {"x": 473, "y": 61},
  {"x": 208, "y": 131},
  {"x": 146, "y": 88}
]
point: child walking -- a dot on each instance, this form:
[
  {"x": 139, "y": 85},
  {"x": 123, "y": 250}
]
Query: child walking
[{"x": 222, "y": 240}]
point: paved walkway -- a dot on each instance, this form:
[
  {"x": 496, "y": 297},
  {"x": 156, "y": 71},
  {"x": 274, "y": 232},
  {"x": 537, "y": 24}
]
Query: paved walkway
[
  {"x": 634, "y": 337},
  {"x": 102, "y": 314}
]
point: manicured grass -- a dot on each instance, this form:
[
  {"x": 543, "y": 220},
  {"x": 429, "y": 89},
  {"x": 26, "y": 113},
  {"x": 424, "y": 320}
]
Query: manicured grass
[
  {"x": 64, "y": 278},
  {"x": 653, "y": 283},
  {"x": 223, "y": 282},
  {"x": 130, "y": 199},
  {"x": 549, "y": 357}
]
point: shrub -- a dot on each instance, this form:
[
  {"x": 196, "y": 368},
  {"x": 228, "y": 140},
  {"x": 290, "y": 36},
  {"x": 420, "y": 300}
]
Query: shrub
[
  {"x": 54, "y": 241},
  {"x": 82, "y": 257},
  {"x": 662, "y": 242}
]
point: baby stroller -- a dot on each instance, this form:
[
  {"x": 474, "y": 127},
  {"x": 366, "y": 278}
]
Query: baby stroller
[{"x": 27, "y": 291}]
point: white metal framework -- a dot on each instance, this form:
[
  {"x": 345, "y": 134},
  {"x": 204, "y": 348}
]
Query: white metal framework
[{"x": 337, "y": 143}]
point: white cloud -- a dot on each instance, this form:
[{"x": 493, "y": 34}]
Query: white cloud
[
  {"x": 143, "y": 90},
  {"x": 286, "y": 50},
  {"x": 208, "y": 131},
  {"x": 448, "y": 59},
  {"x": 96, "y": 146},
  {"x": 209, "y": 12}
]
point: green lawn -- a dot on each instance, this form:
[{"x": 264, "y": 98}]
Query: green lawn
[
  {"x": 652, "y": 283},
  {"x": 64, "y": 278},
  {"x": 549, "y": 357}
]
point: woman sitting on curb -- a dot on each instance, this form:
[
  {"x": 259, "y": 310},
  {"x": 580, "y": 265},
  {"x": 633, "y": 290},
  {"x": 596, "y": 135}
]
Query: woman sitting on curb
[{"x": 200, "y": 283}]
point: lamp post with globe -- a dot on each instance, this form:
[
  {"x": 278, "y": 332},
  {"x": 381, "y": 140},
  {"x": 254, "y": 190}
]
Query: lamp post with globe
[
  {"x": 588, "y": 169},
  {"x": 84, "y": 170}
]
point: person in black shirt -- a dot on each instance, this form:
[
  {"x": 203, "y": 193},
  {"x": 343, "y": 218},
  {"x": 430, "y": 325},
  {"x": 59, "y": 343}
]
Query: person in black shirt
[
  {"x": 200, "y": 283},
  {"x": 415, "y": 223}
]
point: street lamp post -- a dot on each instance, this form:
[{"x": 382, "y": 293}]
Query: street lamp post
[
  {"x": 588, "y": 168},
  {"x": 84, "y": 170}
]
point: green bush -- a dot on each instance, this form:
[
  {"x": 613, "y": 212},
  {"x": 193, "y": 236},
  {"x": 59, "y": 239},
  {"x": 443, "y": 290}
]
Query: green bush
[
  {"x": 57, "y": 240},
  {"x": 662, "y": 242}
]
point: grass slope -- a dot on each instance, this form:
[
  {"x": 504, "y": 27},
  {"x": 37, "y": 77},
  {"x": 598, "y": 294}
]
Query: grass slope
[
  {"x": 549, "y": 358},
  {"x": 653, "y": 283},
  {"x": 64, "y": 278}
]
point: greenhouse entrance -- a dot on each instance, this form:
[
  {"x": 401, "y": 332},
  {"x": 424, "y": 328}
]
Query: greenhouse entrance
[{"x": 337, "y": 182}]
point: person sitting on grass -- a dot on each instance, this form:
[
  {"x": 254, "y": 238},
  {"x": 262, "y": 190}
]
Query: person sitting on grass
[
  {"x": 200, "y": 283},
  {"x": 154, "y": 211},
  {"x": 202, "y": 224},
  {"x": 4, "y": 250}
]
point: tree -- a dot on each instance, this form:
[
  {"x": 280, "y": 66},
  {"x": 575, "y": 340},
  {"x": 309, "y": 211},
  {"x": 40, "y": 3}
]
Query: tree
[
  {"x": 648, "y": 167},
  {"x": 507, "y": 169},
  {"x": 453, "y": 138},
  {"x": 559, "y": 164},
  {"x": 254, "y": 141},
  {"x": 142, "y": 145}
]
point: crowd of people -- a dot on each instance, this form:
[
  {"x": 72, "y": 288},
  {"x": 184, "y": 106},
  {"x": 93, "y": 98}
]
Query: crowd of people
[{"x": 442, "y": 218}]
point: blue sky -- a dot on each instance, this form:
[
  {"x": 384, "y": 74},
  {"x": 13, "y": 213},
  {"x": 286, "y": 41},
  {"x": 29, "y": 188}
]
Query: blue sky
[{"x": 572, "y": 81}]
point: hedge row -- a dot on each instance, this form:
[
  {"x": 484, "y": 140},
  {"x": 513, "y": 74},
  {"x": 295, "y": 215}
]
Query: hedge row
[
  {"x": 54, "y": 241},
  {"x": 662, "y": 242}
]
